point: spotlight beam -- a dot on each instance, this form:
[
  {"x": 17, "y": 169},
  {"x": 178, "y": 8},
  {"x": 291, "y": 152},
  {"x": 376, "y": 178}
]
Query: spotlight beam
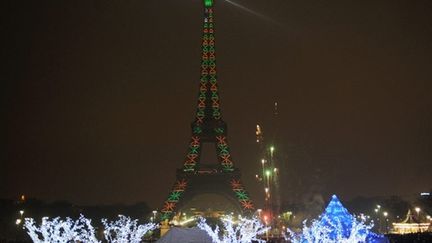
[{"x": 250, "y": 11}]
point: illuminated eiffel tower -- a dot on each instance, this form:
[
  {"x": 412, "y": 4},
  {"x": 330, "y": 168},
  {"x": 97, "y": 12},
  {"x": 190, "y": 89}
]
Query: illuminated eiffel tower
[{"x": 196, "y": 178}]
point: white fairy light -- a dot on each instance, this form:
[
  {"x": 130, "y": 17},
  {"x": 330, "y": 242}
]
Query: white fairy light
[
  {"x": 125, "y": 230},
  {"x": 61, "y": 231},
  {"x": 246, "y": 230},
  {"x": 336, "y": 225}
]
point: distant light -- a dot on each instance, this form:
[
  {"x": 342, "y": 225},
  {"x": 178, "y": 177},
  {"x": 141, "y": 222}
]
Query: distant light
[
  {"x": 18, "y": 221},
  {"x": 385, "y": 214},
  {"x": 21, "y": 212},
  {"x": 378, "y": 206},
  {"x": 266, "y": 189},
  {"x": 268, "y": 172},
  {"x": 187, "y": 221},
  {"x": 259, "y": 210},
  {"x": 275, "y": 170},
  {"x": 208, "y": 3},
  {"x": 425, "y": 194},
  {"x": 272, "y": 149},
  {"x": 263, "y": 161},
  {"x": 417, "y": 209},
  {"x": 376, "y": 210}
]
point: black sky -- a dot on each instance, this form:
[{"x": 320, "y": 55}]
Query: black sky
[{"x": 98, "y": 95}]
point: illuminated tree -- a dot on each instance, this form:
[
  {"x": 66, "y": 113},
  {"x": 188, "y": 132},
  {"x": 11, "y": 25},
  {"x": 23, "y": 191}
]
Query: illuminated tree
[
  {"x": 336, "y": 225},
  {"x": 57, "y": 230},
  {"x": 246, "y": 230},
  {"x": 125, "y": 230}
]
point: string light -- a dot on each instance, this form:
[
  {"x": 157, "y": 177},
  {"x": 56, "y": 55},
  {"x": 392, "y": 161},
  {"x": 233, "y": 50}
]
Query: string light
[
  {"x": 208, "y": 109},
  {"x": 245, "y": 231},
  {"x": 335, "y": 225}
]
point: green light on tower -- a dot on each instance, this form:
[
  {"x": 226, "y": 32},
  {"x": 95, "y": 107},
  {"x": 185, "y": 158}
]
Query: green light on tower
[{"x": 208, "y": 3}]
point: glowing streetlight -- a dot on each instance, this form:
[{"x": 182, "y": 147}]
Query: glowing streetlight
[
  {"x": 21, "y": 212},
  {"x": 378, "y": 206},
  {"x": 417, "y": 209},
  {"x": 385, "y": 214},
  {"x": 154, "y": 214},
  {"x": 376, "y": 210},
  {"x": 18, "y": 221}
]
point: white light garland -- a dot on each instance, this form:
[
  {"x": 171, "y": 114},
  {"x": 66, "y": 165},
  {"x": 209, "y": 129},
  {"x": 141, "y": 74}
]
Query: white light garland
[
  {"x": 56, "y": 230},
  {"x": 125, "y": 230},
  {"x": 61, "y": 231},
  {"x": 246, "y": 231}
]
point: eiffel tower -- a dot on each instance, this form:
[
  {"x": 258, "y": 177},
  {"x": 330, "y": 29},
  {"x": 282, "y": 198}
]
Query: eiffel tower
[{"x": 196, "y": 178}]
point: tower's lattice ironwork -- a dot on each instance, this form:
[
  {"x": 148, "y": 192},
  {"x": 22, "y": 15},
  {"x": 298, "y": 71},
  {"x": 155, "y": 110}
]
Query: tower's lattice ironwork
[{"x": 208, "y": 127}]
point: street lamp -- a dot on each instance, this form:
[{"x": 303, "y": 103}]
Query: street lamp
[
  {"x": 259, "y": 210},
  {"x": 386, "y": 221},
  {"x": 21, "y": 212},
  {"x": 417, "y": 209},
  {"x": 154, "y": 214}
]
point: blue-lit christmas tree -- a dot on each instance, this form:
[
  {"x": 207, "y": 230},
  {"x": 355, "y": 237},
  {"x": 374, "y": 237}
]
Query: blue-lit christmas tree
[{"x": 336, "y": 225}]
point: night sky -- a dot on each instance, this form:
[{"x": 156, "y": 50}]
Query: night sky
[{"x": 98, "y": 95}]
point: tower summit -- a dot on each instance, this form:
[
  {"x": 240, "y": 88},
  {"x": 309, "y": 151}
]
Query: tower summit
[{"x": 195, "y": 178}]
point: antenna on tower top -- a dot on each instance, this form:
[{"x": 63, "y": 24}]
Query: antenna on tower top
[{"x": 208, "y": 3}]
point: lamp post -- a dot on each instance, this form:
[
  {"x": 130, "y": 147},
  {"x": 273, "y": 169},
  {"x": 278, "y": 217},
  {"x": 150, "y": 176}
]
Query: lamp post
[
  {"x": 417, "y": 209},
  {"x": 154, "y": 215},
  {"x": 386, "y": 221},
  {"x": 259, "y": 210}
]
